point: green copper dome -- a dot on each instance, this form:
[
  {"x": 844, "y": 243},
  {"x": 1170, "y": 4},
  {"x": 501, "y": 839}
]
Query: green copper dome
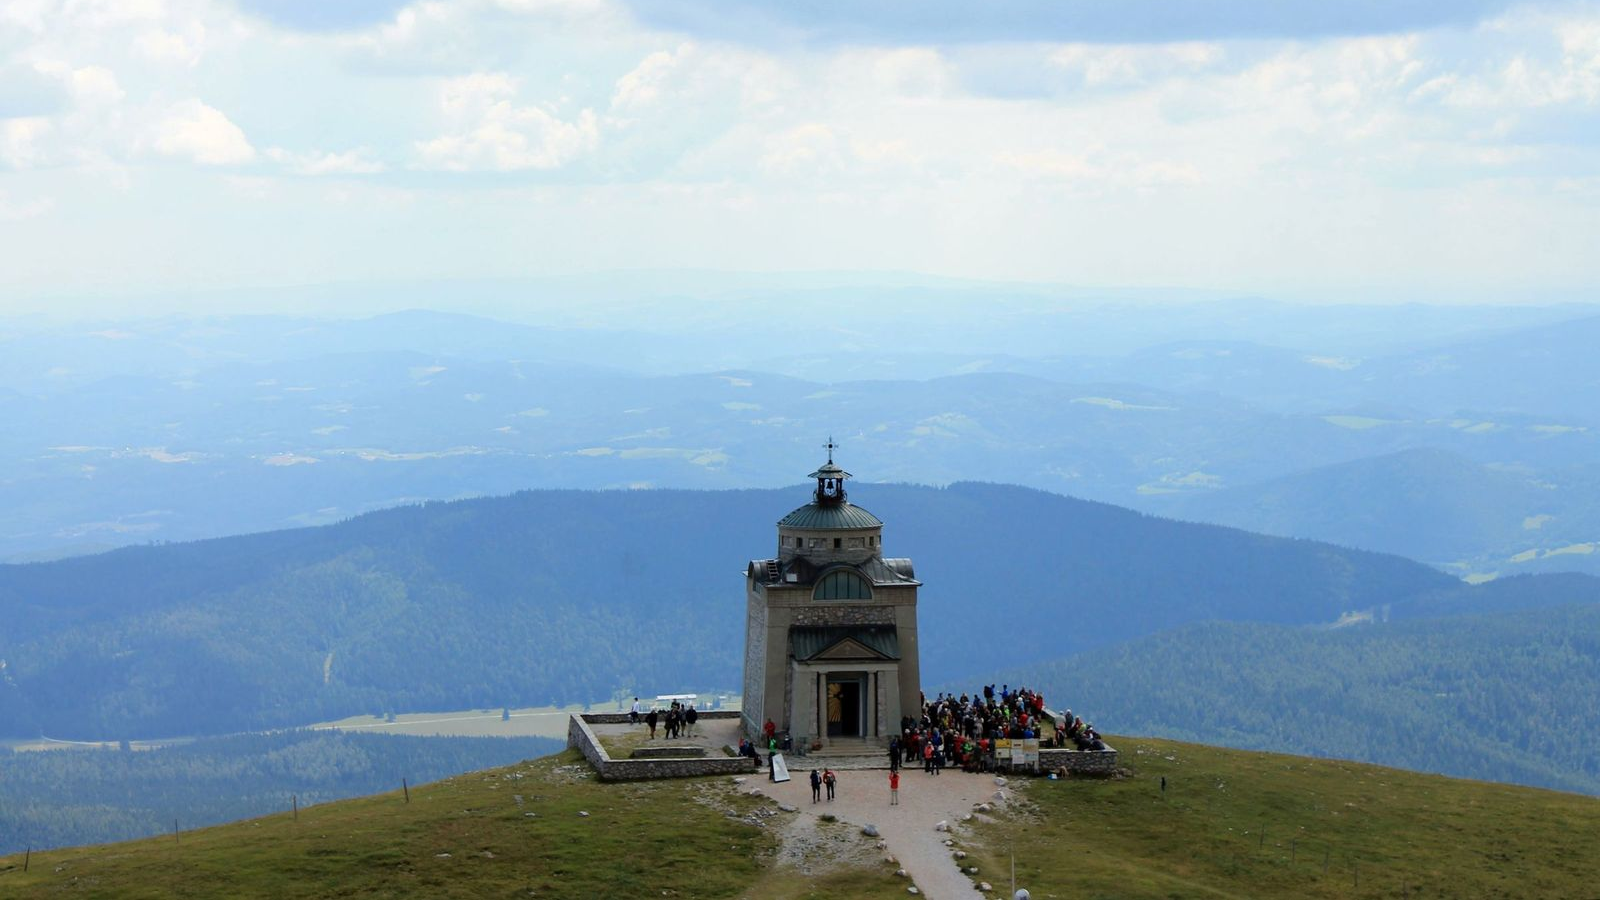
[{"x": 840, "y": 516}]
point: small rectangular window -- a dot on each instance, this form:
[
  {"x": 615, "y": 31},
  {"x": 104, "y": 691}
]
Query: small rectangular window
[{"x": 837, "y": 543}]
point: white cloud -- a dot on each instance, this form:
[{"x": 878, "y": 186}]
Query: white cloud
[
  {"x": 809, "y": 149},
  {"x": 696, "y": 111},
  {"x": 351, "y": 162},
  {"x": 28, "y": 15},
  {"x": 192, "y": 130},
  {"x": 87, "y": 85},
  {"x": 21, "y": 141},
  {"x": 910, "y": 72},
  {"x": 491, "y": 132},
  {"x": 643, "y": 85},
  {"x": 1114, "y": 65},
  {"x": 1452, "y": 155},
  {"x": 16, "y": 211},
  {"x": 182, "y": 47},
  {"x": 112, "y": 13},
  {"x": 1518, "y": 73},
  {"x": 1097, "y": 169},
  {"x": 574, "y": 9},
  {"x": 476, "y": 94},
  {"x": 39, "y": 16},
  {"x": 74, "y": 128}
]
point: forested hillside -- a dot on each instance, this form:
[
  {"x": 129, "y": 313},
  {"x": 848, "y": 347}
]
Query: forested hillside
[
  {"x": 557, "y": 596},
  {"x": 1508, "y": 696},
  {"x": 61, "y": 797}
]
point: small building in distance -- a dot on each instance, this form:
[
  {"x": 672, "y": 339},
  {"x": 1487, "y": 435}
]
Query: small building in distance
[{"x": 831, "y": 626}]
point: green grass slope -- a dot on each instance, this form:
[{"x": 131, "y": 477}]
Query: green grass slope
[
  {"x": 1253, "y": 825},
  {"x": 518, "y": 831},
  {"x": 1231, "y": 824}
]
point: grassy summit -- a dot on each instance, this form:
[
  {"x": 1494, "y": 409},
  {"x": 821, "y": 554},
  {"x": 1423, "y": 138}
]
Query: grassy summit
[
  {"x": 519, "y": 832},
  {"x": 1241, "y": 824}
]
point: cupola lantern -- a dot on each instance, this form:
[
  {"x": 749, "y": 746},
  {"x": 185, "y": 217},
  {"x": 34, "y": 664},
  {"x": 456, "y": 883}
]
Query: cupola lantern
[{"x": 830, "y": 480}]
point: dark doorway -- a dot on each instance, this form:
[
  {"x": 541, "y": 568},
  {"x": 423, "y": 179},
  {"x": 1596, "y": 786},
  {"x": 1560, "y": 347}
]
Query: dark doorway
[{"x": 844, "y": 707}]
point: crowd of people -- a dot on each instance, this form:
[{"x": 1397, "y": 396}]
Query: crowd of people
[
  {"x": 962, "y": 731},
  {"x": 951, "y": 730},
  {"x": 678, "y": 720}
]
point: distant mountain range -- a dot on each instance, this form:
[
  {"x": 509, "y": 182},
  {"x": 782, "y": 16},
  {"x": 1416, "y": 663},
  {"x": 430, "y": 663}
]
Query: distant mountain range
[
  {"x": 1537, "y": 371},
  {"x": 126, "y": 432},
  {"x": 556, "y": 596},
  {"x": 1427, "y": 504}
]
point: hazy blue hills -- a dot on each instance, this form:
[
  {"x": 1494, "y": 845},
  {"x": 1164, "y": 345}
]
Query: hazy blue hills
[
  {"x": 317, "y": 439},
  {"x": 1507, "y": 697},
  {"x": 1283, "y": 419},
  {"x": 63, "y": 358},
  {"x": 567, "y": 596},
  {"x": 1426, "y": 504},
  {"x": 1537, "y": 370}
]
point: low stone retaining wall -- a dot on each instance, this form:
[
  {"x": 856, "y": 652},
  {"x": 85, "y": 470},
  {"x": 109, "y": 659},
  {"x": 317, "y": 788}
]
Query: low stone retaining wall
[
  {"x": 1078, "y": 762},
  {"x": 668, "y": 753},
  {"x": 581, "y": 736},
  {"x": 622, "y": 717}
]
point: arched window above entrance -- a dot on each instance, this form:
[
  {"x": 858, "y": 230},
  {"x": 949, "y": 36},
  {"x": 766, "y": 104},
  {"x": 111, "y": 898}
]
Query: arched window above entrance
[{"x": 842, "y": 584}]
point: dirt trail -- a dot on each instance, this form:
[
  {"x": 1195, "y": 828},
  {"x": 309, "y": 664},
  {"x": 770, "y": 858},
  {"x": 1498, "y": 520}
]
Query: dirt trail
[{"x": 862, "y": 798}]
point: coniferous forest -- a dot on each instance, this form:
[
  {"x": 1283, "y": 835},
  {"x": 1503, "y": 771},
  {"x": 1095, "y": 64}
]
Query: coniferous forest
[
  {"x": 1502, "y": 697},
  {"x": 566, "y": 596}
]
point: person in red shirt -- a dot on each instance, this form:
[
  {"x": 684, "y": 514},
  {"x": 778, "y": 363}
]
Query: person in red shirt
[{"x": 894, "y": 787}]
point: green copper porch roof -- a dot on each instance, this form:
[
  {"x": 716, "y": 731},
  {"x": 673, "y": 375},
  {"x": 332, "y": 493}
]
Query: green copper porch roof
[
  {"x": 841, "y": 516},
  {"x": 807, "y": 642}
]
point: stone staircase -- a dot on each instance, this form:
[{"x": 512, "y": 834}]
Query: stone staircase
[{"x": 843, "y": 754}]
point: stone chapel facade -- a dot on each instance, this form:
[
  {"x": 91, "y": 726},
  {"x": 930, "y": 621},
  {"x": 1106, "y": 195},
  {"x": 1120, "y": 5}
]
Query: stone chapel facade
[{"x": 831, "y": 626}]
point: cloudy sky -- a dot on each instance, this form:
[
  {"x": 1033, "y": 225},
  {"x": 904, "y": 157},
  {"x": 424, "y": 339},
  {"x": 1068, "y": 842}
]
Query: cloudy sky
[{"x": 1373, "y": 149}]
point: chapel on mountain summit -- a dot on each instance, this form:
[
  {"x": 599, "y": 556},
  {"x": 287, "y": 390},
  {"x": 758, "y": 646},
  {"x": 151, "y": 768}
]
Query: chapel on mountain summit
[{"x": 831, "y": 626}]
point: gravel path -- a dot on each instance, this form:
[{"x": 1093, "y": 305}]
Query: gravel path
[{"x": 862, "y": 798}]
